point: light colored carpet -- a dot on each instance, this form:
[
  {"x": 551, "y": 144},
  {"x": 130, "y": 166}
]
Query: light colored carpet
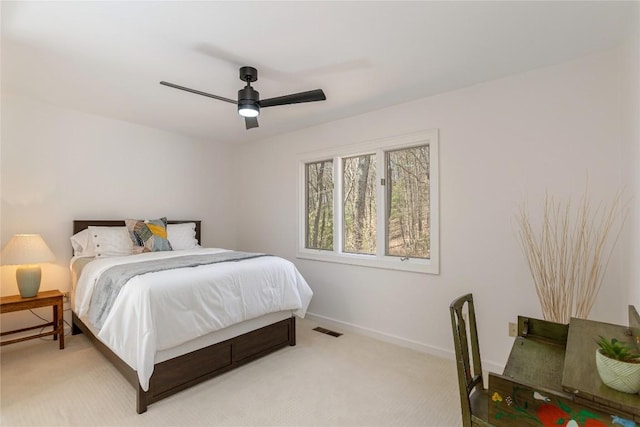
[{"x": 323, "y": 381}]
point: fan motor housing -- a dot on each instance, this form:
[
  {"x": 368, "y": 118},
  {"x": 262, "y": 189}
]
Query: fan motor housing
[{"x": 248, "y": 96}]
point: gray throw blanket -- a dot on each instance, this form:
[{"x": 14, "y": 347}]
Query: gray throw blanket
[{"x": 114, "y": 278}]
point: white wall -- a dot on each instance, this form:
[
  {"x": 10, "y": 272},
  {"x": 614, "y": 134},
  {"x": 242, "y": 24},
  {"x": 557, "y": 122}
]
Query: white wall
[
  {"x": 500, "y": 142},
  {"x": 58, "y": 165},
  {"x": 631, "y": 163}
]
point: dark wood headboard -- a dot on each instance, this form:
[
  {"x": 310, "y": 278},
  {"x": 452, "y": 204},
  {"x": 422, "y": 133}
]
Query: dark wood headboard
[{"x": 81, "y": 224}]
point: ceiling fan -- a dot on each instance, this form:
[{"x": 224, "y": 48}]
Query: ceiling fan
[{"x": 249, "y": 102}]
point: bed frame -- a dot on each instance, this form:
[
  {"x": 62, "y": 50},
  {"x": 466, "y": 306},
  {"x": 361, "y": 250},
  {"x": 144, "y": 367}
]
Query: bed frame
[{"x": 179, "y": 373}]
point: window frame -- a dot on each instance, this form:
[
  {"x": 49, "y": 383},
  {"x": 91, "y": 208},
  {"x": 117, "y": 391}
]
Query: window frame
[{"x": 380, "y": 259}]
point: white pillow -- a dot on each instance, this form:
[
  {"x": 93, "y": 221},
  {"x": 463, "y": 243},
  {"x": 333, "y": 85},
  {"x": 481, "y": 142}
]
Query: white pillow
[
  {"x": 182, "y": 236},
  {"x": 80, "y": 244},
  {"x": 109, "y": 241}
]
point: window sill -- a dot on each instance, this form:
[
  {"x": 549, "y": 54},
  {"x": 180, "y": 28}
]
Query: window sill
[{"x": 414, "y": 265}]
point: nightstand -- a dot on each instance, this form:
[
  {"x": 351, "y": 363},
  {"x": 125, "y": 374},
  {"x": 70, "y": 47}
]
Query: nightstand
[{"x": 43, "y": 299}]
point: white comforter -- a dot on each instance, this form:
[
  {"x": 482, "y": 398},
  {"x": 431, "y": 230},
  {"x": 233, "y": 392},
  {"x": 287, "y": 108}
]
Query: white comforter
[{"x": 158, "y": 311}]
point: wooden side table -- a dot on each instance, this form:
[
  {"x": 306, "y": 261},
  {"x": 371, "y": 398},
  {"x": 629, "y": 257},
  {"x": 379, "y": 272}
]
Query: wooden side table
[{"x": 43, "y": 299}]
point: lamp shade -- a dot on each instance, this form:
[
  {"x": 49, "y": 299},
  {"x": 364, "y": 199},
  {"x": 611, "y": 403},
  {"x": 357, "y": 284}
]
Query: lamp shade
[{"x": 26, "y": 249}]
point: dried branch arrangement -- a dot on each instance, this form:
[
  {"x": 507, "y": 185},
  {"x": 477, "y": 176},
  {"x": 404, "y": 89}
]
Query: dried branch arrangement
[{"x": 569, "y": 253}]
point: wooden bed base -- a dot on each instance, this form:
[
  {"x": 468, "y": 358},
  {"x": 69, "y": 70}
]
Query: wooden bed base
[
  {"x": 179, "y": 373},
  {"x": 174, "y": 375}
]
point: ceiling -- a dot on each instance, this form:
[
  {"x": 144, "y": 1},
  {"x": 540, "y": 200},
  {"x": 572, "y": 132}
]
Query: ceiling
[{"x": 107, "y": 58}]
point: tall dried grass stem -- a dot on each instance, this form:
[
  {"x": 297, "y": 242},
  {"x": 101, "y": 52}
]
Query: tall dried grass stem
[{"x": 569, "y": 253}]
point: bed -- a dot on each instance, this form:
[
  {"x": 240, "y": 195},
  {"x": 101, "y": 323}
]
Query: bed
[{"x": 183, "y": 353}]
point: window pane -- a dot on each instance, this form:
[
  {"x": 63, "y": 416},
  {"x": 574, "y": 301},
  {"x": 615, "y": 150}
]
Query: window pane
[
  {"x": 359, "y": 204},
  {"x": 319, "y": 209},
  {"x": 408, "y": 211}
]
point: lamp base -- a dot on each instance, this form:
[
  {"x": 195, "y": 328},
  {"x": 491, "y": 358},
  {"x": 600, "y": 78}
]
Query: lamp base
[{"x": 28, "y": 277}]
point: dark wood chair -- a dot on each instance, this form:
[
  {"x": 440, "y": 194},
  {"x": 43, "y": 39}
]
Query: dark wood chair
[{"x": 473, "y": 396}]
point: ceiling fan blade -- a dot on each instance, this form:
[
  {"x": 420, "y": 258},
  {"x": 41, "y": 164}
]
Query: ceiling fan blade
[
  {"x": 197, "y": 92},
  {"x": 251, "y": 122},
  {"x": 294, "y": 98}
]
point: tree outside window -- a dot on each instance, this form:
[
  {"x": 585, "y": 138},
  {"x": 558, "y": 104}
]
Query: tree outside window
[
  {"x": 319, "y": 206},
  {"x": 408, "y": 197},
  {"x": 359, "y": 204}
]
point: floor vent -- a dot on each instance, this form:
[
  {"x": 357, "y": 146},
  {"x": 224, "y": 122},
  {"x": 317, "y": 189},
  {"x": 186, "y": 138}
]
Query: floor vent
[{"x": 327, "y": 332}]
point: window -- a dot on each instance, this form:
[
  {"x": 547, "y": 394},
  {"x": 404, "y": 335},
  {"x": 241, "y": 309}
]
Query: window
[
  {"x": 407, "y": 200},
  {"x": 359, "y": 204},
  {"x": 373, "y": 204},
  {"x": 319, "y": 208}
]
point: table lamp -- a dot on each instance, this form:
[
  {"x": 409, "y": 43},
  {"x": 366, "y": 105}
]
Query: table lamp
[{"x": 27, "y": 251}]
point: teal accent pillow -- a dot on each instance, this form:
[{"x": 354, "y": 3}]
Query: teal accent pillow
[{"x": 148, "y": 235}]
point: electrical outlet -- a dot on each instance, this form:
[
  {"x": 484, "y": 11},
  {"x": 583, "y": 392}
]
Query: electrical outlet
[{"x": 513, "y": 329}]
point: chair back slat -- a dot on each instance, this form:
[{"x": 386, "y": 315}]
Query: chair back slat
[
  {"x": 475, "y": 346},
  {"x": 465, "y": 339}
]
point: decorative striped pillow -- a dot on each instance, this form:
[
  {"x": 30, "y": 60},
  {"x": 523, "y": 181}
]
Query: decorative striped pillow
[{"x": 148, "y": 235}]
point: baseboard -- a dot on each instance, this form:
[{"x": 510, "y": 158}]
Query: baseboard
[{"x": 341, "y": 326}]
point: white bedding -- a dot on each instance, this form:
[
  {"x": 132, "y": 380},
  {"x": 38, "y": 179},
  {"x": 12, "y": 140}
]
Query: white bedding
[{"x": 162, "y": 310}]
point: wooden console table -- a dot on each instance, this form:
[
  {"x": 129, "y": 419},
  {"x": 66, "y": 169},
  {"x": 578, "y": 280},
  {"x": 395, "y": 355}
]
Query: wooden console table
[{"x": 43, "y": 299}]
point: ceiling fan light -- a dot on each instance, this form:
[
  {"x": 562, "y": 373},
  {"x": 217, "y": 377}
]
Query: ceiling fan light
[{"x": 248, "y": 110}]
